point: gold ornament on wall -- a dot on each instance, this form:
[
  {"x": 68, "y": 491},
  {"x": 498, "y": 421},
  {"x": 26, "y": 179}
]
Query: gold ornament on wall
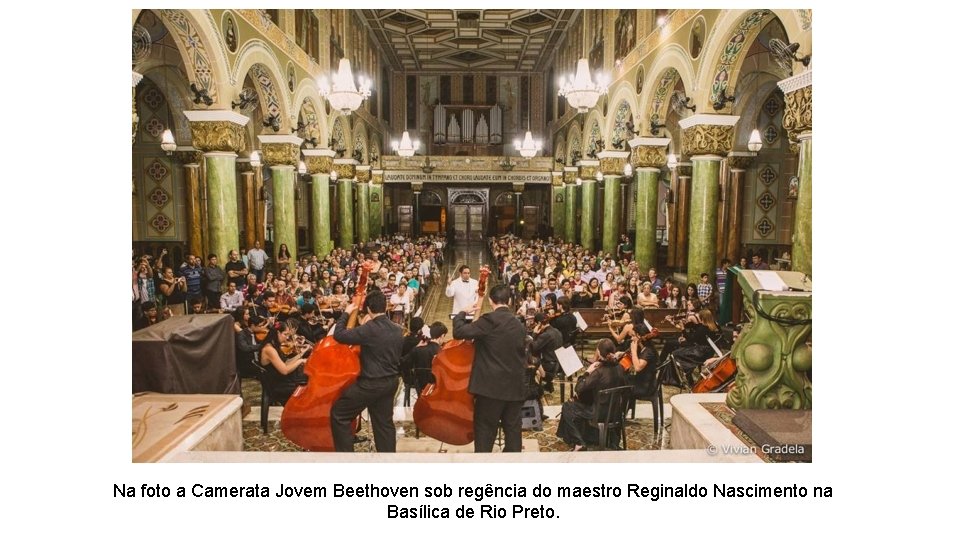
[
  {"x": 319, "y": 164},
  {"x": 280, "y": 154},
  {"x": 798, "y": 112}
]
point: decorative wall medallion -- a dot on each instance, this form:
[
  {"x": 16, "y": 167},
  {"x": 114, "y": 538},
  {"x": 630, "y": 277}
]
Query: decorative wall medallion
[
  {"x": 771, "y": 134},
  {"x": 766, "y": 201},
  {"x": 161, "y": 223},
  {"x": 768, "y": 175},
  {"x": 771, "y": 106},
  {"x": 153, "y": 98},
  {"x": 154, "y": 127},
  {"x": 764, "y": 227},
  {"x": 157, "y": 171},
  {"x": 732, "y": 50},
  {"x": 159, "y": 197}
]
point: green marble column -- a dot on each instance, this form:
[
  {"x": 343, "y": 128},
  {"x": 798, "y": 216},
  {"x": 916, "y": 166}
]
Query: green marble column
[
  {"x": 363, "y": 212},
  {"x": 570, "y": 213},
  {"x": 222, "y": 213},
  {"x": 803, "y": 226},
  {"x": 321, "y": 215},
  {"x": 557, "y": 211},
  {"x": 284, "y": 211},
  {"x": 702, "y": 232},
  {"x": 645, "y": 247},
  {"x": 345, "y": 192},
  {"x": 611, "y": 212},
  {"x": 588, "y": 213},
  {"x": 376, "y": 210}
]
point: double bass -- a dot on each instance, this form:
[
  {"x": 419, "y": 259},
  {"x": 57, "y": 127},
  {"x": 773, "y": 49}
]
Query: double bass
[
  {"x": 444, "y": 410},
  {"x": 332, "y": 368}
]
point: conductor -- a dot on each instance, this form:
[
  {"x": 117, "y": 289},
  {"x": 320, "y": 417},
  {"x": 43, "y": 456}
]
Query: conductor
[
  {"x": 499, "y": 369},
  {"x": 381, "y": 341}
]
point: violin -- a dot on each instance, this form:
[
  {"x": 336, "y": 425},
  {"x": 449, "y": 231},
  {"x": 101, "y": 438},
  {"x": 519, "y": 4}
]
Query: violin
[
  {"x": 627, "y": 362},
  {"x": 444, "y": 410},
  {"x": 280, "y": 308},
  {"x": 332, "y": 368}
]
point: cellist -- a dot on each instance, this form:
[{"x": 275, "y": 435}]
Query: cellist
[
  {"x": 381, "y": 341},
  {"x": 497, "y": 379}
]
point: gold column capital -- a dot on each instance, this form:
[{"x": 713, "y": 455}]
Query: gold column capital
[
  {"x": 708, "y": 134},
  {"x": 570, "y": 175},
  {"x": 589, "y": 168},
  {"x": 217, "y": 131},
  {"x": 318, "y": 160},
  {"x": 556, "y": 179},
  {"x": 187, "y": 155},
  {"x": 363, "y": 173},
  {"x": 280, "y": 149},
  {"x": 740, "y": 160},
  {"x": 798, "y": 100},
  {"x": 612, "y": 161},
  {"x": 649, "y": 151},
  {"x": 346, "y": 168}
]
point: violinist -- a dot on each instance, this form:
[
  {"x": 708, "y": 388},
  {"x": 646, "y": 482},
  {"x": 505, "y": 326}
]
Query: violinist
[
  {"x": 547, "y": 339},
  {"x": 643, "y": 371},
  {"x": 604, "y": 373},
  {"x": 421, "y": 357},
  {"x": 283, "y": 371},
  {"x": 497, "y": 379},
  {"x": 565, "y": 322},
  {"x": 246, "y": 345},
  {"x": 633, "y": 326},
  {"x": 285, "y": 302},
  {"x": 380, "y": 342},
  {"x": 312, "y": 328}
]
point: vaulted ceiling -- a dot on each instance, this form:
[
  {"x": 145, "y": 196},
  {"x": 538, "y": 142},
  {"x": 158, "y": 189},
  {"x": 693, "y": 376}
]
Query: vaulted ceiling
[{"x": 461, "y": 39}]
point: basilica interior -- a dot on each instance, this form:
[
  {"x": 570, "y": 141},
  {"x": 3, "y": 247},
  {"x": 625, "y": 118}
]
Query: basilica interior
[{"x": 678, "y": 140}]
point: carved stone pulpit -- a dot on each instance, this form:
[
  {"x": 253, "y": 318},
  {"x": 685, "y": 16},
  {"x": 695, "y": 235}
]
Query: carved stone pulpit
[{"x": 773, "y": 353}]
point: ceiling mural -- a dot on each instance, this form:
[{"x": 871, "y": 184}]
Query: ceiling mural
[{"x": 458, "y": 39}]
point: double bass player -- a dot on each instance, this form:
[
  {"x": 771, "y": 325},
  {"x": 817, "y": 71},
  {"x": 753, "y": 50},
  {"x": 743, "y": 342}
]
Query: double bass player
[{"x": 499, "y": 368}]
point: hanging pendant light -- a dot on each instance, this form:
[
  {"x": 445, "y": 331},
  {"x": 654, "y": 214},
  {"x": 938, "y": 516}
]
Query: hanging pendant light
[
  {"x": 581, "y": 92},
  {"x": 755, "y": 143},
  {"x": 672, "y": 161},
  {"x": 406, "y": 147},
  {"x": 529, "y": 147},
  {"x": 167, "y": 143},
  {"x": 344, "y": 95},
  {"x": 255, "y": 158}
]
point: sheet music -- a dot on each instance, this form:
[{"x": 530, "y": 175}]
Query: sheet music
[
  {"x": 581, "y": 324},
  {"x": 770, "y": 280},
  {"x": 647, "y": 324},
  {"x": 569, "y": 360}
]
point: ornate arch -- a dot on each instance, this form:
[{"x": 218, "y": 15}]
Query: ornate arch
[
  {"x": 311, "y": 120},
  {"x": 307, "y": 95},
  {"x": 560, "y": 150},
  {"x": 259, "y": 61},
  {"x": 729, "y": 38},
  {"x": 360, "y": 140},
  {"x": 624, "y": 95},
  {"x": 195, "y": 39},
  {"x": 673, "y": 64},
  {"x": 574, "y": 143},
  {"x": 592, "y": 135},
  {"x": 341, "y": 134}
]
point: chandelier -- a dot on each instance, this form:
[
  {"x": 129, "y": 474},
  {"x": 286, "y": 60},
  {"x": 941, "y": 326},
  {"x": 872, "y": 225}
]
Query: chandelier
[
  {"x": 581, "y": 92},
  {"x": 344, "y": 95},
  {"x": 405, "y": 147},
  {"x": 755, "y": 143},
  {"x": 529, "y": 147}
]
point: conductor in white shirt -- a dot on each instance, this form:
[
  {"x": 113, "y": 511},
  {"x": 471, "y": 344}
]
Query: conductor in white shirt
[{"x": 463, "y": 290}]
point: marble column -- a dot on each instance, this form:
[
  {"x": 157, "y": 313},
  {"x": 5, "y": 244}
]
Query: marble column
[
  {"x": 249, "y": 208},
  {"x": 376, "y": 203},
  {"x": 363, "y": 204},
  {"x": 417, "y": 188},
  {"x": 739, "y": 162},
  {"x": 219, "y": 135},
  {"x": 707, "y": 138},
  {"x": 346, "y": 175},
  {"x": 570, "y": 204},
  {"x": 282, "y": 154},
  {"x": 191, "y": 176},
  {"x": 319, "y": 163},
  {"x": 557, "y": 204},
  {"x": 648, "y": 155},
  {"x": 684, "y": 172},
  {"x": 612, "y": 163},
  {"x": 588, "y": 204},
  {"x": 260, "y": 220},
  {"x": 798, "y": 121}
]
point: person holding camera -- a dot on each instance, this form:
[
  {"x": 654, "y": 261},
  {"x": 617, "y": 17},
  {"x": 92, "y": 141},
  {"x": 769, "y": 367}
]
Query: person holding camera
[
  {"x": 380, "y": 342},
  {"x": 173, "y": 292}
]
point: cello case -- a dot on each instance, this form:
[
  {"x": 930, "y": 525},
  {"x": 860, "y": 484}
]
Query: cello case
[
  {"x": 332, "y": 368},
  {"x": 444, "y": 410}
]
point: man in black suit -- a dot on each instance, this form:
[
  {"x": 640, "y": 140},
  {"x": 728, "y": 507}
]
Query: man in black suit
[
  {"x": 499, "y": 369},
  {"x": 380, "y": 342}
]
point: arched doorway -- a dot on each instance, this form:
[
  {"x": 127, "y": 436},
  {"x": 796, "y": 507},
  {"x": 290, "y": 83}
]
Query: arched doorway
[
  {"x": 469, "y": 210},
  {"x": 505, "y": 213}
]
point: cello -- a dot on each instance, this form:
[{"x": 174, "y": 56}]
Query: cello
[
  {"x": 444, "y": 410},
  {"x": 717, "y": 376},
  {"x": 332, "y": 368},
  {"x": 626, "y": 361}
]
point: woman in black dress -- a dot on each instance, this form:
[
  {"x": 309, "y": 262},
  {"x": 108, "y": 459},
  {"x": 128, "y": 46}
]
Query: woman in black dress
[
  {"x": 282, "y": 375},
  {"x": 604, "y": 373}
]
